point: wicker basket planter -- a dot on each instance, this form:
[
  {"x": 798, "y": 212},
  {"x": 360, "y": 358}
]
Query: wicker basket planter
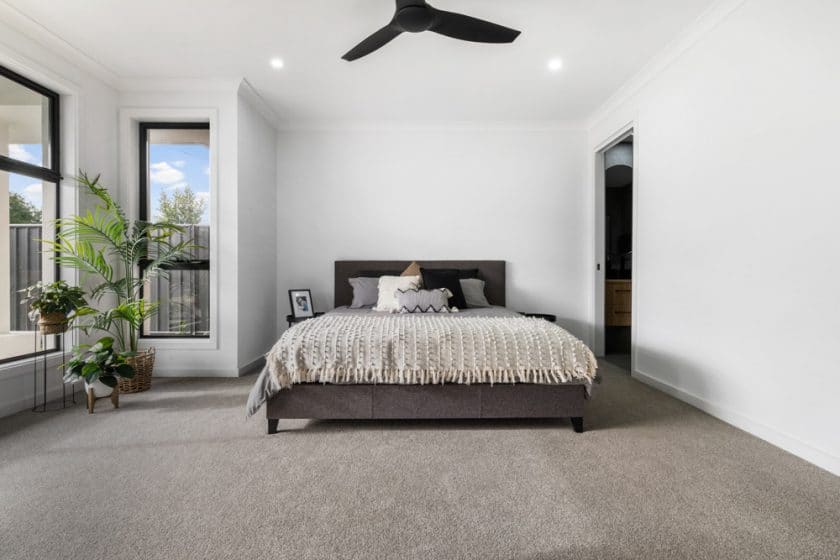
[
  {"x": 143, "y": 364},
  {"x": 53, "y": 323}
]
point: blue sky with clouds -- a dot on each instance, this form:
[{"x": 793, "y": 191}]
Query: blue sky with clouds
[
  {"x": 172, "y": 167},
  {"x": 175, "y": 166},
  {"x": 27, "y": 187}
]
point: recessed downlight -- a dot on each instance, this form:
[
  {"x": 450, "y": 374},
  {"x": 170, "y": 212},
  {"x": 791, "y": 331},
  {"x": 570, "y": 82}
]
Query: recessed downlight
[
  {"x": 555, "y": 64},
  {"x": 277, "y": 63}
]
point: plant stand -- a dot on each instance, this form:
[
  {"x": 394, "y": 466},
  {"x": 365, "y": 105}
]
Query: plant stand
[
  {"x": 42, "y": 361},
  {"x": 92, "y": 398}
]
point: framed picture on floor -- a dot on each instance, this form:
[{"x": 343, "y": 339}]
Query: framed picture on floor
[{"x": 301, "y": 304}]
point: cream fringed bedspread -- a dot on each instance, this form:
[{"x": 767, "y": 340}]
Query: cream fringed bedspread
[{"x": 422, "y": 349}]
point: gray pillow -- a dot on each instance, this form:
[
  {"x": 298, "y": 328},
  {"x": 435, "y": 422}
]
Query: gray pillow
[
  {"x": 424, "y": 301},
  {"x": 365, "y": 292},
  {"x": 473, "y": 289}
]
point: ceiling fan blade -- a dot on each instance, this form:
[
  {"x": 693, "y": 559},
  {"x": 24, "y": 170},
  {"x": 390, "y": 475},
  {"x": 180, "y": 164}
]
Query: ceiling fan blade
[
  {"x": 408, "y": 3},
  {"x": 372, "y": 43},
  {"x": 466, "y": 28}
]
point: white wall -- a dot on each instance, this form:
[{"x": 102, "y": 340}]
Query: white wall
[
  {"x": 509, "y": 193},
  {"x": 88, "y": 141},
  {"x": 737, "y": 239},
  {"x": 257, "y": 255}
]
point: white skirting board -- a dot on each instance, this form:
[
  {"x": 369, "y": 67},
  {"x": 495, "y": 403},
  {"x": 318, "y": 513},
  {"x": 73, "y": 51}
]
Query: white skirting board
[
  {"x": 790, "y": 444},
  {"x": 199, "y": 372},
  {"x": 250, "y": 367},
  {"x": 253, "y": 366}
]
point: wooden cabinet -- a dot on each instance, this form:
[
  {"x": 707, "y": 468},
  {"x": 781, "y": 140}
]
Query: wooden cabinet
[{"x": 618, "y": 303}]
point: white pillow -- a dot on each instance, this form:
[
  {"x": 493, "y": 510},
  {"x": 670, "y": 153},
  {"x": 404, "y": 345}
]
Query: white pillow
[{"x": 388, "y": 288}]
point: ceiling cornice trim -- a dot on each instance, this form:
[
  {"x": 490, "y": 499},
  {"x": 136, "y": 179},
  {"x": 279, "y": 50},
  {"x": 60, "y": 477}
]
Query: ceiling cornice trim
[
  {"x": 37, "y": 32},
  {"x": 396, "y": 125},
  {"x": 716, "y": 14},
  {"x": 248, "y": 92},
  {"x": 178, "y": 85}
]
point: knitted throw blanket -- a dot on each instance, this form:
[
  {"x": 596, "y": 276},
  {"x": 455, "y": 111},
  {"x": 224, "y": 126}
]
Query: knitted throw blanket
[{"x": 420, "y": 349}]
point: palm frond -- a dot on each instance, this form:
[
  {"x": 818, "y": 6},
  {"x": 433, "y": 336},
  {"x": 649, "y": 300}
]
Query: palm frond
[
  {"x": 100, "y": 192},
  {"x": 83, "y": 256},
  {"x": 166, "y": 256},
  {"x": 117, "y": 288},
  {"x": 98, "y": 226}
]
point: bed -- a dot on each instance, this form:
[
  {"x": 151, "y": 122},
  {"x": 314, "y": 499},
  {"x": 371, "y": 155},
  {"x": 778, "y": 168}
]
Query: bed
[{"x": 478, "y": 363}]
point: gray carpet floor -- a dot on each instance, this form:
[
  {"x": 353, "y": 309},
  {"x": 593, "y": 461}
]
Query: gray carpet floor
[{"x": 177, "y": 473}]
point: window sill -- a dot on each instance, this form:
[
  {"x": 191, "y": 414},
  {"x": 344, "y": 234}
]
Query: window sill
[{"x": 24, "y": 366}]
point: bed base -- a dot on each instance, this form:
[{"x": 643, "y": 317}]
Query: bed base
[{"x": 410, "y": 402}]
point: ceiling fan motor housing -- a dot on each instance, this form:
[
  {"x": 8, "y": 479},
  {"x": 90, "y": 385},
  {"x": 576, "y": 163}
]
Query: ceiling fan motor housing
[{"x": 415, "y": 19}]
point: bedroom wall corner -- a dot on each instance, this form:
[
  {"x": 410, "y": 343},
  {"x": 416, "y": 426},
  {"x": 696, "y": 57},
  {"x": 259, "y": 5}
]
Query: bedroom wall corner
[{"x": 258, "y": 222}]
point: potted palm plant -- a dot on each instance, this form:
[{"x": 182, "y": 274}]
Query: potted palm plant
[
  {"x": 54, "y": 305},
  {"x": 101, "y": 368},
  {"x": 117, "y": 257}
]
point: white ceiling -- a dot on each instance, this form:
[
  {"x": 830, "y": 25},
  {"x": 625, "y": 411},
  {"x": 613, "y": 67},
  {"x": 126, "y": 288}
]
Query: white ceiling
[{"x": 425, "y": 77}]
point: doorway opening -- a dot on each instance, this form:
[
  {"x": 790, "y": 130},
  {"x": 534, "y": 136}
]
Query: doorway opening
[{"x": 614, "y": 300}]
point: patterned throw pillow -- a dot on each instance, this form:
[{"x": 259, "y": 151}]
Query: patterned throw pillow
[
  {"x": 424, "y": 301},
  {"x": 388, "y": 290}
]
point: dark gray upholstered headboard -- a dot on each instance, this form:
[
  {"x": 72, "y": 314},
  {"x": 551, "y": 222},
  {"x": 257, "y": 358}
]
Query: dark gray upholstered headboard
[{"x": 492, "y": 272}]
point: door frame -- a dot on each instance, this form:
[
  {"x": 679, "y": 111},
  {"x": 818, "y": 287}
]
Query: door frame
[{"x": 599, "y": 256}]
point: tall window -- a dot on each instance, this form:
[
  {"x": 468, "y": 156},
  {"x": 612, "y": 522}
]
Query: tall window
[
  {"x": 29, "y": 178},
  {"x": 175, "y": 188}
]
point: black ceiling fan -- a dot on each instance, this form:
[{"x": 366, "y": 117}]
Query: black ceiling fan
[{"x": 415, "y": 16}]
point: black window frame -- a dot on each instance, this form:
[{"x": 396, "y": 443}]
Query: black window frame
[
  {"x": 143, "y": 148},
  {"x": 51, "y": 174}
]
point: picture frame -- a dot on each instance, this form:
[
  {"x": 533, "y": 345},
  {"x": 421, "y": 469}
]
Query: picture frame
[{"x": 301, "y": 304}]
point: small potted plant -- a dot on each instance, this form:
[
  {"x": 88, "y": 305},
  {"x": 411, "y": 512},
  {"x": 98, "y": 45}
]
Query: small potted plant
[
  {"x": 54, "y": 304},
  {"x": 101, "y": 367}
]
